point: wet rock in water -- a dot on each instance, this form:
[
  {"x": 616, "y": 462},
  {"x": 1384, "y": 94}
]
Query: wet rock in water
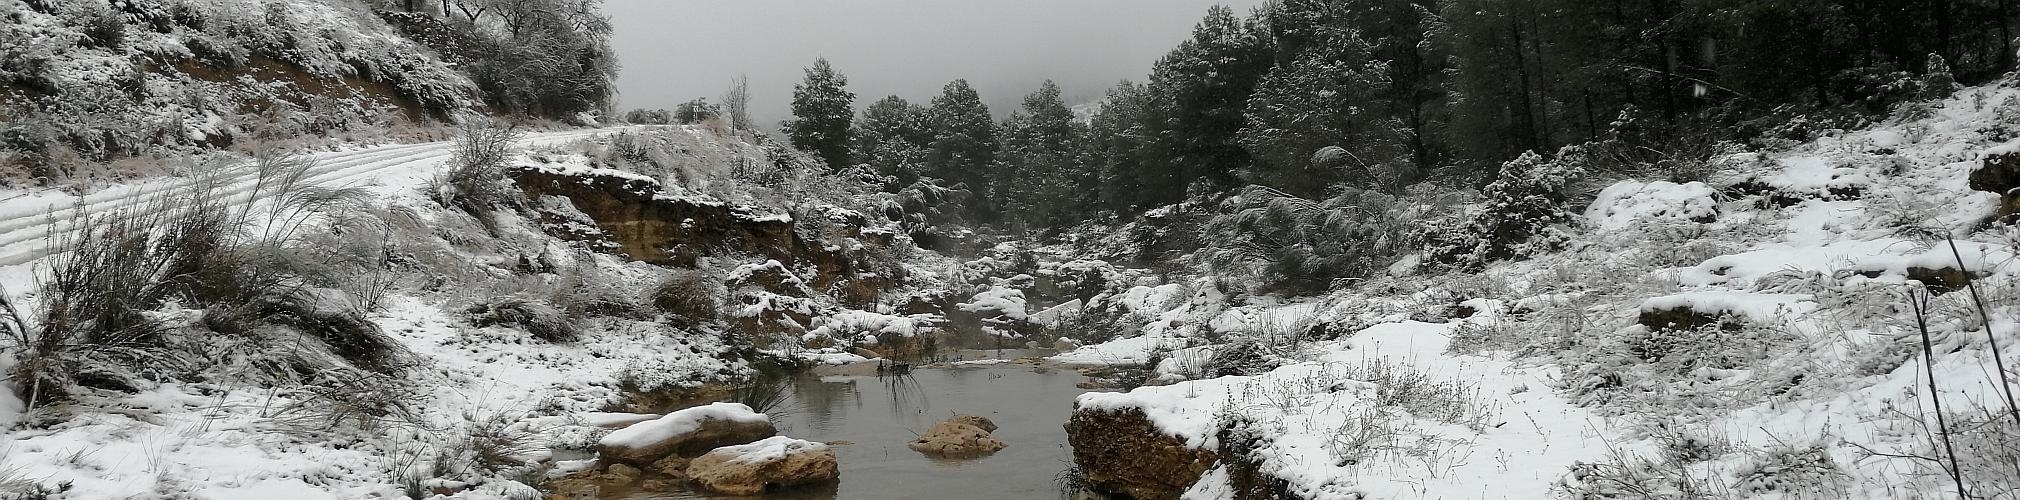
[
  {"x": 960, "y": 436},
  {"x": 1122, "y": 452},
  {"x": 623, "y": 473},
  {"x": 688, "y": 432},
  {"x": 773, "y": 462}
]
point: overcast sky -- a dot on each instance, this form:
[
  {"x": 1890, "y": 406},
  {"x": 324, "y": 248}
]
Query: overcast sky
[{"x": 676, "y": 50}]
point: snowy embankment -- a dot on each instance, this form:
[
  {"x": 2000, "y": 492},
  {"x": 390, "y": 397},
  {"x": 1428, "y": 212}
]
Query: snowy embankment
[
  {"x": 1494, "y": 428},
  {"x": 1749, "y": 334}
]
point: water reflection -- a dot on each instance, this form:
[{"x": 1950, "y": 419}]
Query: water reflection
[{"x": 878, "y": 416}]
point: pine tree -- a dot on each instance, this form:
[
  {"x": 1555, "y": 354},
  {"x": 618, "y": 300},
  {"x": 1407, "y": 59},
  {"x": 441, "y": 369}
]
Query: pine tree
[
  {"x": 1203, "y": 86},
  {"x": 823, "y": 107},
  {"x": 1318, "y": 121},
  {"x": 963, "y": 137},
  {"x": 892, "y": 138},
  {"x": 1119, "y": 136},
  {"x": 1041, "y": 174}
]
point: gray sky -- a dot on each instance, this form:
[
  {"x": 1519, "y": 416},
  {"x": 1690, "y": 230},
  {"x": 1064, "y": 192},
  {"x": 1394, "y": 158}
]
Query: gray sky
[{"x": 676, "y": 50}]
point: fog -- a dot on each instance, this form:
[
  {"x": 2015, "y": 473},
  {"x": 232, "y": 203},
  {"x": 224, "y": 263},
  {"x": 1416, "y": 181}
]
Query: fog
[{"x": 676, "y": 50}]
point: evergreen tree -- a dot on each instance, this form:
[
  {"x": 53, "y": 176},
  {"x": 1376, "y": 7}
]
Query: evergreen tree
[
  {"x": 963, "y": 137},
  {"x": 1041, "y": 174},
  {"x": 823, "y": 107},
  {"x": 892, "y": 138},
  {"x": 1318, "y": 121},
  {"x": 1204, "y": 83},
  {"x": 1119, "y": 136}
]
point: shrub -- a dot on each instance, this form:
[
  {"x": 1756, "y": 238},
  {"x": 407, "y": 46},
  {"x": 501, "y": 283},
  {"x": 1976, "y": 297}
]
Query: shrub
[
  {"x": 584, "y": 293},
  {"x": 543, "y": 321},
  {"x": 348, "y": 399},
  {"x": 475, "y": 181},
  {"x": 687, "y": 293},
  {"x": 91, "y": 326},
  {"x": 330, "y": 317},
  {"x": 1303, "y": 246}
]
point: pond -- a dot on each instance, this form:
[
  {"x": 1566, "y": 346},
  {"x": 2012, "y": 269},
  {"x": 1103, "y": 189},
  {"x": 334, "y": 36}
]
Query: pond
[{"x": 877, "y": 416}]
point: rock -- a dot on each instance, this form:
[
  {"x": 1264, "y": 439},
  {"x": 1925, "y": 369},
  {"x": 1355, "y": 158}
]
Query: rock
[
  {"x": 960, "y": 436},
  {"x": 632, "y": 215},
  {"x": 573, "y": 489},
  {"x": 770, "y": 276},
  {"x": 773, "y": 462},
  {"x": 688, "y": 432},
  {"x": 621, "y": 473},
  {"x": 1121, "y": 452},
  {"x": 659, "y": 486},
  {"x": 1940, "y": 280},
  {"x": 1680, "y": 319},
  {"x": 1999, "y": 175}
]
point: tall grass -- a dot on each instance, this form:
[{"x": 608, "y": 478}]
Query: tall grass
[{"x": 93, "y": 323}]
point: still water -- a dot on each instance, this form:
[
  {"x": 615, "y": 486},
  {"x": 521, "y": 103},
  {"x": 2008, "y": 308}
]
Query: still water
[{"x": 877, "y": 416}]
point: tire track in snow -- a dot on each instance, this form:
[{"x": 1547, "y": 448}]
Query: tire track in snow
[{"x": 26, "y": 222}]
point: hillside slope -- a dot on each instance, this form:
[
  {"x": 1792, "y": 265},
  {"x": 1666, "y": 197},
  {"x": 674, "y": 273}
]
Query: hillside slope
[
  {"x": 1750, "y": 335},
  {"x": 86, "y": 86}
]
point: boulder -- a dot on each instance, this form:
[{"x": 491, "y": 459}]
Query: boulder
[
  {"x": 1121, "y": 452},
  {"x": 688, "y": 432},
  {"x": 1999, "y": 175},
  {"x": 751, "y": 469},
  {"x": 960, "y": 436}
]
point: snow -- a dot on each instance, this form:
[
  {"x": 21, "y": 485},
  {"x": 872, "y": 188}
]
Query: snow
[
  {"x": 1758, "y": 307},
  {"x": 847, "y": 324},
  {"x": 1532, "y": 434},
  {"x": 1631, "y": 202},
  {"x": 1006, "y": 301},
  {"x": 678, "y": 423},
  {"x": 769, "y": 449}
]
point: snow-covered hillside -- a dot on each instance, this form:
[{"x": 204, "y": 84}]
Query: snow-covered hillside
[{"x": 1751, "y": 334}]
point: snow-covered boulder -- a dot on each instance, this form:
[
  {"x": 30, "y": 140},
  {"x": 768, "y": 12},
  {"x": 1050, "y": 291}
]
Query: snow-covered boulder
[
  {"x": 1630, "y": 202},
  {"x": 998, "y": 302},
  {"x": 750, "y": 469},
  {"x": 770, "y": 276},
  {"x": 686, "y": 432}
]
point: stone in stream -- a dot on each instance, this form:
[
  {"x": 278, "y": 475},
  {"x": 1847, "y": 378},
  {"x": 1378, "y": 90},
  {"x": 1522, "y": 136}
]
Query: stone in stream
[
  {"x": 688, "y": 432},
  {"x": 750, "y": 469},
  {"x": 960, "y": 436}
]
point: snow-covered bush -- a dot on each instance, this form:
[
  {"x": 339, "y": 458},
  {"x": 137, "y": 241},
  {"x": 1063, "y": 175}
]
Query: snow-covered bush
[
  {"x": 1523, "y": 215},
  {"x": 543, "y": 321},
  {"x": 1301, "y": 246}
]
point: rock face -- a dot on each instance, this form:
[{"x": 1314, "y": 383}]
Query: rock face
[
  {"x": 631, "y": 216},
  {"x": 960, "y": 436},
  {"x": 1122, "y": 453},
  {"x": 686, "y": 433},
  {"x": 773, "y": 462}
]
